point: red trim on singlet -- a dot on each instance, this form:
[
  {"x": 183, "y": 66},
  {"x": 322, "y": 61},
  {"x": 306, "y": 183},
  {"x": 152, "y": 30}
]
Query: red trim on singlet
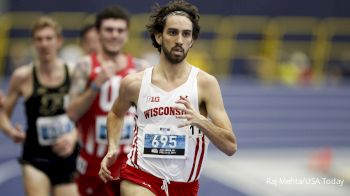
[
  {"x": 133, "y": 150},
  {"x": 194, "y": 161},
  {"x": 133, "y": 157},
  {"x": 201, "y": 159}
]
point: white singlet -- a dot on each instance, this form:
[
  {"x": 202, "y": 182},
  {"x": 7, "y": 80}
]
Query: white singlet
[{"x": 159, "y": 146}]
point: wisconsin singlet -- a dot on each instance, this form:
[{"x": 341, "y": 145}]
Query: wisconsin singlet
[
  {"x": 92, "y": 125},
  {"x": 160, "y": 147}
]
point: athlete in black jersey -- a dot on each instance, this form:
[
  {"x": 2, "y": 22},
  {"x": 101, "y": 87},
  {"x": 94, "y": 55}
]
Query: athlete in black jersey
[{"x": 49, "y": 144}]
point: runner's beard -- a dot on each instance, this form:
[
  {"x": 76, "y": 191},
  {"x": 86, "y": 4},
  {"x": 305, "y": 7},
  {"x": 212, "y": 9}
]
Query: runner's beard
[{"x": 173, "y": 58}]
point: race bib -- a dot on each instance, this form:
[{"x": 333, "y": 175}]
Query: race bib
[
  {"x": 128, "y": 130},
  {"x": 164, "y": 142},
  {"x": 101, "y": 130},
  {"x": 126, "y": 134},
  {"x": 52, "y": 127},
  {"x": 81, "y": 165}
]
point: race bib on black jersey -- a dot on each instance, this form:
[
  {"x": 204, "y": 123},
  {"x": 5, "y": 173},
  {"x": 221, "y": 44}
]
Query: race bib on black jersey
[{"x": 52, "y": 127}]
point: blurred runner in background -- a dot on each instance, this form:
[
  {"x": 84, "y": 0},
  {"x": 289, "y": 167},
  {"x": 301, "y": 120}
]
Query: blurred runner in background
[
  {"x": 95, "y": 85},
  {"x": 49, "y": 144}
]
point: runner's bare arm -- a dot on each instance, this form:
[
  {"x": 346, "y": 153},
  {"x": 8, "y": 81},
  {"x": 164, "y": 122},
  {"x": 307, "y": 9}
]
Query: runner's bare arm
[
  {"x": 80, "y": 96},
  {"x": 128, "y": 93},
  {"x": 14, "y": 92},
  {"x": 216, "y": 125},
  {"x": 218, "y": 129}
]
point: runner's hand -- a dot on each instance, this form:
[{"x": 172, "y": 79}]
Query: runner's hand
[
  {"x": 192, "y": 116},
  {"x": 107, "y": 161},
  {"x": 65, "y": 145},
  {"x": 106, "y": 72},
  {"x": 17, "y": 134}
]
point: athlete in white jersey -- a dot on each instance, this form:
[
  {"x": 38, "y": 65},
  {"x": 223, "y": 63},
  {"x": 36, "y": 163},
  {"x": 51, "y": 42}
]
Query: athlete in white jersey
[
  {"x": 161, "y": 148},
  {"x": 174, "y": 102}
]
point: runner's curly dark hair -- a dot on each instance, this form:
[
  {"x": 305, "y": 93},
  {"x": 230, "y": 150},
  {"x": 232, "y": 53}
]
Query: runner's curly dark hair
[{"x": 176, "y": 7}]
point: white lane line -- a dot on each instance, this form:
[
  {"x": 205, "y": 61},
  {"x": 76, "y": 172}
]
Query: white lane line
[{"x": 8, "y": 170}]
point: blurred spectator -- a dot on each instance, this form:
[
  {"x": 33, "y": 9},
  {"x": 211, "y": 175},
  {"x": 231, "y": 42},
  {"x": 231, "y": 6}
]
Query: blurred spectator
[
  {"x": 200, "y": 59},
  {"x": 89, "y": 43},
  {"x": 345, "y": 64},
  {"x": 19, "y": 54},
  {"x": 295, "y": 69},
  {"x": 71, "y": 53},
  {"x": 89, "y": 40},
  {"x": 340, "y": 70}
]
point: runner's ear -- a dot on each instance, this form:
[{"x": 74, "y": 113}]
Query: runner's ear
[{"x": 158, "y": 37}]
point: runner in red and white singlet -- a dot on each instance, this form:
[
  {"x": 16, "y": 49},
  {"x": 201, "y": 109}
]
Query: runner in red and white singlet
[
  {"x": 179, "y": 110},
  {"x": 95, "y": 85}
]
